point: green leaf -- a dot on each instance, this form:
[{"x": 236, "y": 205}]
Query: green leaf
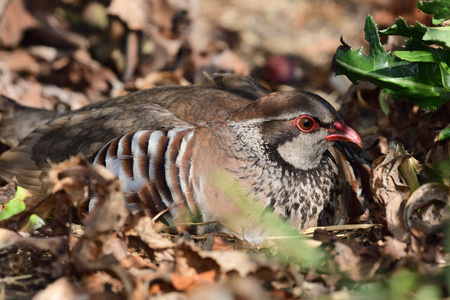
[
  {"x": 33, "y": 223},
  {"x": 384, "y": 105},
  {"x": 15, "y": 205},
  {"x": 402, "y": 283},
  {"x": 428, "y": 35},
  {"x": 401, "y": 28},
  {"x": 422, "y": 82},
  {"x": 438, "y": 35},
  {"x": 444, "y": 134},
  {"x": 429, "y": 292},
  {"x": 439, "y": 8},
  {"x": 425, "y": 56}
]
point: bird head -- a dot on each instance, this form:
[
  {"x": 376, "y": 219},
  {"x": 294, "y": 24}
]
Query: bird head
[{"x": 294, "y": 128}]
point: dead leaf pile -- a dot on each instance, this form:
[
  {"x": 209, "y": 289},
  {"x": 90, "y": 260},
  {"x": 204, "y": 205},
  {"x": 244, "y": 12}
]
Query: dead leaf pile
[
  {"x": 64, "y": 54},
  {"x": 68, "y": 53},
  {"x": 116, "y": 255}
]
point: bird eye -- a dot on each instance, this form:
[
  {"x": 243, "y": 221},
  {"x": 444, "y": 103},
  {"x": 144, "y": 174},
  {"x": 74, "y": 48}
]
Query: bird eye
[{"x": 305, "y": 123}]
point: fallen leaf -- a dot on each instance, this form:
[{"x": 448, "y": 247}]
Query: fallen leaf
[
  {"x": 60, "y": 289},
  {"x": 192, "y": 281},
  {"x": 133, "y": 13},
  {"x": 8, "y": 238},
  {"x": 145, "y": 231},
  {"x": 426, "y": 211},
  {"x": 134, "y": 260},
  {"x": 11, "y": 31},
  {"x": 8, "y": 191},
  {"x": 55, "y": 245},
  {"x": 229, "y": 261},
  {"x": 347, "y": 260},
  {"x": 20, "y": 60},
  {"x": 391, "y": 189},
  {"x": 160, "y": 78},
  {"x": 392, "y": 250}
]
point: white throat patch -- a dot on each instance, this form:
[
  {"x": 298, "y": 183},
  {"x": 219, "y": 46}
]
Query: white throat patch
[{"x": 300, "y": 154}]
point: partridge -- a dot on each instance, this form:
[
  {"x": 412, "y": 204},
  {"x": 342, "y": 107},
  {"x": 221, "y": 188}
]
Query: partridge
[{"x": 165, "y": 144}]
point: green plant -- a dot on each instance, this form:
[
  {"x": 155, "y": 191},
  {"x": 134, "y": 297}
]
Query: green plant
[{"x": 420, "y": 72}]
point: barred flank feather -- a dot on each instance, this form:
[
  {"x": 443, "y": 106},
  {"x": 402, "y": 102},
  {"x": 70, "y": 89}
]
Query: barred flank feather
[{"x": 155, "y": 169}]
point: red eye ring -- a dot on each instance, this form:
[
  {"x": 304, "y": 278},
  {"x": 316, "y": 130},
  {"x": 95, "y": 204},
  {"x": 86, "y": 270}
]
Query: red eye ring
[{"x": 305, "y": 123}]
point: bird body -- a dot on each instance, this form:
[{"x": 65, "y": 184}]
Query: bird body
[
  {"x": 166, "y": 145},
  {"x": 161, "y": 167}
]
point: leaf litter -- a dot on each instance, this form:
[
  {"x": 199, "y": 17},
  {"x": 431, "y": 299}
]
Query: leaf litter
[{"x": 52, "y": 61}]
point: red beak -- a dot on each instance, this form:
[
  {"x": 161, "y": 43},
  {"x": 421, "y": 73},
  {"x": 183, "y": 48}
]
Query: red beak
[{"x": 343, "y": 133}]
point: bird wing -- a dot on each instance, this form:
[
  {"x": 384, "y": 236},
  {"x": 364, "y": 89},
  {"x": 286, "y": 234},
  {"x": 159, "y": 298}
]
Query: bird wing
[{"x": 85, "y": 130}]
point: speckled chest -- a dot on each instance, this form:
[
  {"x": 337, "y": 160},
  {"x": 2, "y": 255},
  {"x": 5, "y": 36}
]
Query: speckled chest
[{"x": 305, "y": 197}]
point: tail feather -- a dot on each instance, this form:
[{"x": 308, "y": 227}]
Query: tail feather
[{"x": 17, "y": 121}]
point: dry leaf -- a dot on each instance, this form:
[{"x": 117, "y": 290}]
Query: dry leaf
[
  {"x": 133, "y": 13},
  {"x": 60, "y": 289},
  {"x": 145, "y": 231},
  {"x": 54, "y": 245},
  {"x": 11, "y": 31},
  {"x": 20, "y": 60},
  {"x": 8, "y": 238},
  {"x": 229, "y": 261},
  {"x": 426, "y": 211},
  {"x": 348, "y": 262},
  {"x": 391, "y": 189},
  {"x": 189, "y": 281},
  {"x": 392, "y": 250},
  {"x": 8, "y": 191}
]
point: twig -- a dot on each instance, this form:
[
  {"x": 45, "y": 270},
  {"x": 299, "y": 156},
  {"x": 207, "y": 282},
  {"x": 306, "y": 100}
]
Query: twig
[
  {"x": 13, "y": 279},
  {"x": 194, "y": 224},
  {"x": 311, "y": 230},
  {"x": 162, "y": 212},
  {"x": 375, "y": 267}
]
